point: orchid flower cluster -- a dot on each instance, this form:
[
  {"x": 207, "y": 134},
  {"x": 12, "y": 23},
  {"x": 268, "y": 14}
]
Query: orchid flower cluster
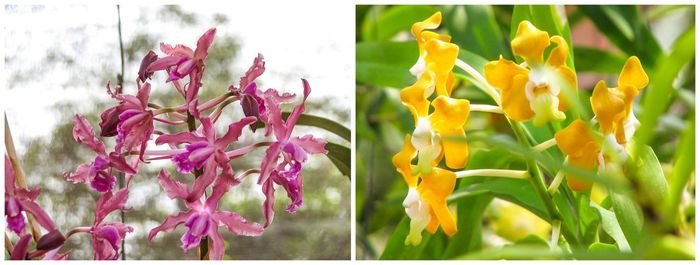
[
  {"x": 134, "y": 121},
  {"x": 536, "y": 90}
]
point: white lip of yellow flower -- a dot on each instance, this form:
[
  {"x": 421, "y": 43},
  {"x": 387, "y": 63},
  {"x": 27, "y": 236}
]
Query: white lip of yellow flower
[
  {"x": 631, "y": 125},
  {"x": 419, "y": 213},
  {"x": 545, "y": 104},
  {"x": 615, "y": 151},
  {"x": 427, "y": 143},
  {"x": 418, "y": 68}
]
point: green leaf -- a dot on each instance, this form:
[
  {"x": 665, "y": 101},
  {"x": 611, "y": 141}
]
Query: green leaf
[
  {"x": 470, "y": 213},
  {"x": 395, "y": 247},
  {"x": 474, "y": 28},
  {"x": 598, "y": 247},
  {"x": 323, "y": 123},
  {"x": 518, "y": 191},
  {"x": 385, "y": 63},
  {"x": 657, "y": 96},
  {"x": 612, "y": 227},
  {"x": 624, "y": 28},
  {"x": 598, "y": 61},
  {"x": 682, "y": 170},
  {"x": 398, "y": 19},
  {"x": 340, "y": 156},
  {"x": 629, "y": 216},
  {"x": 650, "y": 176}
]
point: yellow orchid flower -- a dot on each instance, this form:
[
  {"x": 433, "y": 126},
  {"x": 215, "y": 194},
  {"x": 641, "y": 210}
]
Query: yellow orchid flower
[
  {"x": 426, "y": 201},
  {"x": 436, "y": 56},
  {"x": 533, "y": 90},
  {"x": 447, "y": 119},
  {"x": 579, "y": 144},
  {"x": 613, "y": 106}
]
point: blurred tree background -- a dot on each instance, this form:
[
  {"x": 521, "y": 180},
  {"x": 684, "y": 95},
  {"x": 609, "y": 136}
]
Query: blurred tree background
[
  {"x": 602, "y": 37},
  {"x": 78, "y": 56}
]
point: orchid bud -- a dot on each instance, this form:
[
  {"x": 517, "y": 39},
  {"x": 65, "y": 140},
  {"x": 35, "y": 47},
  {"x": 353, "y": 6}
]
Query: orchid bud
[{"x": 52, "y": 240}]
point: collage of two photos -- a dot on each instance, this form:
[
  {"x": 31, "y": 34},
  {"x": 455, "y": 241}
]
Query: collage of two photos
[{"x": 470, "y": 132}]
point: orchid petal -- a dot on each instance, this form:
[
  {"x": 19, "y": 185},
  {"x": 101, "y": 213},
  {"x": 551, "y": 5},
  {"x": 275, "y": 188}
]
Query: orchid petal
[
  {"x": 109, "y": 202},
  {"x": 145, "y": 63},
  {"x": 217, "y": 248},
  {"x": 255, "y": 70},
  {"x": 119, "y": 163},
  {"x": 173, "y": 188},
  {"x": 170, "y": 223},
  {"x": 9, "y": 177},
  {"x": 163, "y": 63},
  {"x": 41, "y": 216},
  {"x": 83, "y": 134},
  {"x": 237, "y": 224},
  {"x": 310, "y": 144},
  {"x": 179, "y": 138},
  {"x": 21, "y": 248},
  {"x": 234, "y": 132},
  {"x": 268, "y": 206},
  {"x": 203, "y": 181},
  {"x": 297, "y": 111},
  {"x": 204, "y": 43}
]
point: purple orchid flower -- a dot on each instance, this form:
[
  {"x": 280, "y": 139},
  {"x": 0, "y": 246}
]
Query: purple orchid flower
[
  {"x": 294, "y": 151},
  {"x": 204, "y": 150},
  {"x": 107, "y": 238},
  {"x": 202, "y": 218},
  {"x": 251, "y": 98},
  {"x": 184, "y": 60},
  {"x": 130, "y": 120},
  {"x": 99, "y": 172},
  {"x": 18, "y": 200}
]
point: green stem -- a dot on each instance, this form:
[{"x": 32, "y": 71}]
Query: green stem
[
  {"x": 204, "y": 244},
  {"x": 120, "y": 80},
  {"x": 538, "y": 183}
]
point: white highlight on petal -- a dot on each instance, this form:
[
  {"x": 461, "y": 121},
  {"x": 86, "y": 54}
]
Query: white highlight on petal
[
  {"x": 427, "y": 142},
  {"x": 419, "y": 213},
  {"x": 418, "y": 68},
  {"x": 616, "y": 152},
  {"x": 631, "y": 126}
]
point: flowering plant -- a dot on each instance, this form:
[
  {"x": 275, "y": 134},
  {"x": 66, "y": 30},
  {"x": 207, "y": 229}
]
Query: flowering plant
[
  {"x": 511, "y": 147},
  {"x": 138, "y": 126}
]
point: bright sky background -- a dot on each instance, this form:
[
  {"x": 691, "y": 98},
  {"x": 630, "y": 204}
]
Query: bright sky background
[{"x": 296, "y": 41}]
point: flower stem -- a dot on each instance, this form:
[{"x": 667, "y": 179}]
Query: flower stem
[
  {"x": 545, "y": 145},
  {"x": 518, "y": 174},
  {"x": 19, "y": 176},
  {"x": 556, "y": 232},
  {"x": 554, "y": 186},
  {"x": 490, "y": 90},
  {"x": 538, "y": 183},
  {"x": 486, "y": 108},
  {"x": 120, "y": 80}
]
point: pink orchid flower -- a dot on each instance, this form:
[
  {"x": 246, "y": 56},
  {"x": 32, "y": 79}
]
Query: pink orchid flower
[
  {"x": 131, "y": 120},
  {"x": 251, "y": 98},
  {"x": 204, "y": 150},
  {"x": 99, "y": 172},
  {"x": 203, "y": 219},
  {"x": 107, "y": 238},
  {"x": 18, "y": 200},
  {"x": 294, "y": 151},
  {"x": 182, "y": 57}
]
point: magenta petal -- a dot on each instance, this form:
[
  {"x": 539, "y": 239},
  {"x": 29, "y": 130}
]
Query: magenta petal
[
  {"x": 16, "y": 223},
  {"x": 204, "y": 43},
  {"x": 109, "y": 202},
  {"x": 179, "y": 50},
  {"x": 255, "y": 70},
  {"x": 268, "y": 206},
  {"x": 54, "y": 255},
  {"x": 189, "y": 241},
  {"x": 198, "y": 224},
  {"x": 163, "y": 63},
  {"x": 83, "y": 133},
  {"x": 234, "y": 132},
  {"x": 21, "y": 248},
  {"x": 145, "y": 62},
  {"x": 81, "y": 174},
  {"x": 208, "y": 129},
  {"x": 109, "y": 119},
  {"x": 169, "y": 224},
  {"x": 119, "y": 163},
  {"x": 103, "y": 182},
  {"x": 110, "y": 234},
  {"x": 12, "y": 206},
  {"x": 179, "y": 138},
  {"x": 203, "y": 181},
  {"x": 143, "y": 95},
  {"x": 222, "y": 184},
  {"x": 298, "y": 110},
  {"x": 310, "y": 144},
  {"x": 269, "y": 162},
  {"x": 39, "y": 214},
  {"x": 173, "y": 188},
  {"x": 217, "y": 248},
  {"x": 294, "y": 152},
  {"x": 237, "y": 224}
]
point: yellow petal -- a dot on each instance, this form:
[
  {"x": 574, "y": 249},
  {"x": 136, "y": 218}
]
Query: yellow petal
[
  {"x": 574, "y": 137},
  {"x": 448, "y": 120},
  {"x": 402, "y": 162},
  {"x": 530, "y": 43},
  {"x": 558, "y": 55},
  {"x": 514, "y": 102},
  {"x": 577, "y": 141},
  {"x": 414, "y": 98},
  {"x": 439, "y": 60},
  {"x": 432, "y": 22},
  {"x": 633, "y": 74},
  {"x": 500, "y": 73},
  {"x": 435, "y": 188},
  {"x": 608, "y": 106},
  {"x": 568, "y": 76},
  {"x": 450, "y": 83}
]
